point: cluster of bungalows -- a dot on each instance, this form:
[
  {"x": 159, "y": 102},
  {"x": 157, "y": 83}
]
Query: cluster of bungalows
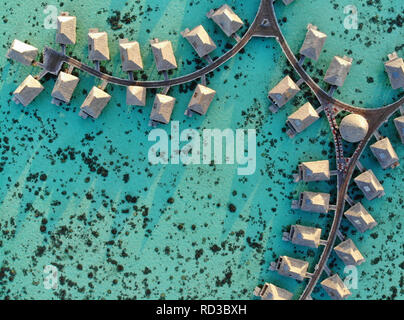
[
  {"x": 320, "y": 171},
  {"x": 30, "y": 88},
  {"x": 98, "y": 51},
  {"x": 298, "y": 269},
  {"x": 287, "y": 89},
  {"x": 316, "y": 202},
  {"x": 353, "y": 128},
  {"x": 382, "y": 149},
  {"x": 165, "y": 61},
  {"x": 26, "y": 54},
  {"x": 333, "y": 285},
  {"x": 311, "y": 236}
]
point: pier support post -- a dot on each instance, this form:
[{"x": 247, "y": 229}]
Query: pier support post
[
  {"x": 63, "y": 49},
  {"x": 295, "y": 204},
  {"x": 300, "y": 82},
  {"x": 334, "y": 172},
  {"x": 320, "y": 109},
  {"x": 340, "y": 235},
  {"x": 377, "y": 135},
  {"x": 152, "y": 124},
  {"x": 291, "y": 133},
  {"x": 236, "y": 37},
  {"x": 360, "y": 166},
  {"x": 41, "y": 75},
  {"x": 273, "y": 108},
  {"x": 97, "y": 65},
  {"x": 188, "y": 113},
  {"x": 296, "y": 178},
  {"x": 332, "y": 91},
  {"x": 327, "y": 270},
  {"x": 286, "y": 237},
  {"x": 165, "y": 90},
  {"x": 130, "y": 75},
  {"x": 83, "y": 115},
  {"x": 103, "y": 84},
  {"x": 209, "y": 59},
  {"x": 349, "y": 200},
  {"x": 56, "y": 102},
  {"x": 203, "y": 80},
  {"x": 165, "y": 74}
]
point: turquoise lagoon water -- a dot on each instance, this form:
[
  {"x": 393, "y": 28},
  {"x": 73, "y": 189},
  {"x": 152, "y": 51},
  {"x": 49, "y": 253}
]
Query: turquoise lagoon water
[{"x": 81, "y": 196}]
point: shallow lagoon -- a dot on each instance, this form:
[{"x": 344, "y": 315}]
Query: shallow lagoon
[{"x": 81, "y": 196}]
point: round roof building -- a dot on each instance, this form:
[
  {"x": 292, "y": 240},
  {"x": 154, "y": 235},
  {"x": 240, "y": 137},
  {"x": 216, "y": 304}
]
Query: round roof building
[{"x": 353, "y": 128}]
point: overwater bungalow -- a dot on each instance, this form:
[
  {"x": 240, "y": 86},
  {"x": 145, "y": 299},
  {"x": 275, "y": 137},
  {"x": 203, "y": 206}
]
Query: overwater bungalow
[
  {"x": 64, "y": 88},
  {"x": 282, "y": 93},
  {"x": 399, "y": 123},
  {"x": 313, "y": 202},
  {"x": 94, "y": 104},
  {"x": 98, "y": 49},
  {"x": 272, "y": 292},
  {"x": 304, "y": 236},
  {"x": 335, "y": 288},
  {"x": 360, "y": 218},
  {"x": 162, "y": 109},
  {"x": 288, "y": 2},
  {"x": 314, "y": 43},
  {"x": 130, "y": 55},
  {"x": 338, "y": 71},
  {"x": 385, "y": 153},
  {"x": 369, "y": 185},
  {"x": 201, "y": 100},
  {"x": 22, "y": 52},
  {"x": 66, "y": 29},
  {"x": 136, "y": 96},
  {"x": 132, "y": 61},
  {"x": 300, "y": 120},
  {"x": 313, "y": 171},
  {"x": 163, "y": 55},
  {"x": 349, "y": 253},
  {"x": 354, "y": 128},
  {"x": 226, "y": 19},
  {"x": 395, "y": 70},
  {"x": 27, "y": 91},
  {"x": 200, "y": 40},
  {"x": 292, "y": 268}
]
